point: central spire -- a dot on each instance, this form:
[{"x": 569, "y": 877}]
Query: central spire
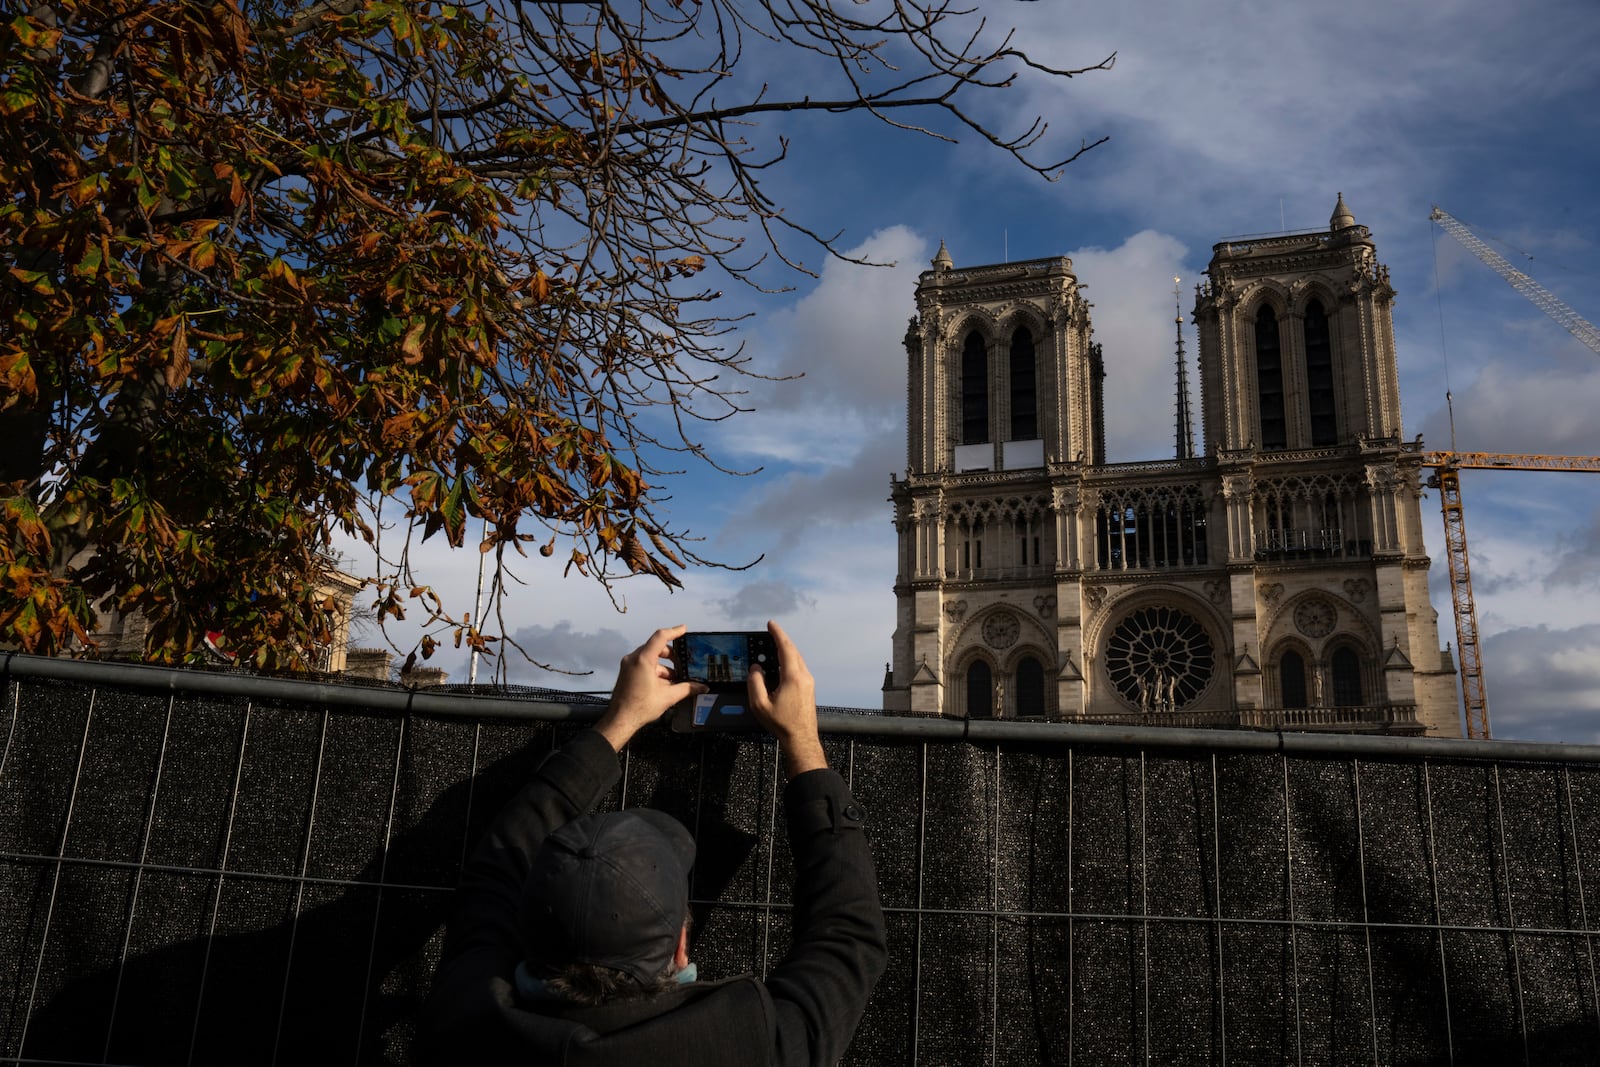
[{"x": 1185, "y": 429}]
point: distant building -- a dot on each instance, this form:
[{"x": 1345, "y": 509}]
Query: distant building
[
  {"x": 1279, "y": 578},
  {"x": 378, "y": 665},
  {"x": 122, "y": 636},
  {"x": 719, "y": 668}
]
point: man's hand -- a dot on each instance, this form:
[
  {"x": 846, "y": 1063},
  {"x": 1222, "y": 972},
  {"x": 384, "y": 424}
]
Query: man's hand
[
  {"x": 644, "y": 689},
  {"x": 789, "y": 713}
]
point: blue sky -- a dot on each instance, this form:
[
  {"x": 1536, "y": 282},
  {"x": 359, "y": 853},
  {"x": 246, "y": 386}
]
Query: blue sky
[{"x": 1224, "y": 118}]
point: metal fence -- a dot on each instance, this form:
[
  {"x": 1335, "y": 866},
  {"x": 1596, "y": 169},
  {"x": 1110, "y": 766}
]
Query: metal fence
[{"x": 221, "y": 869}]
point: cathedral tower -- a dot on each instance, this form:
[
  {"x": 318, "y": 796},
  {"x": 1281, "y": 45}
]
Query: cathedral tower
[{"x": 1277, "y": 580}]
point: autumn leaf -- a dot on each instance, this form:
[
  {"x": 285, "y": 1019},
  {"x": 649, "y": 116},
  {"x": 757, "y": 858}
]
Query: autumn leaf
[
  {"x": 412, "y": 344},
  {"x": 177, "y": 371},
  {"x": 278, "y": 273}
]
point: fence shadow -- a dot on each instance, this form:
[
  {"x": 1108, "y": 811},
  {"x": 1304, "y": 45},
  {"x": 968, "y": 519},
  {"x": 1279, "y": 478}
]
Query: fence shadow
[{"x": 342, "y": 974}]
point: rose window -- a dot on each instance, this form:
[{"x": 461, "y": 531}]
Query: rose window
[{"x": 1159, "y": 658}]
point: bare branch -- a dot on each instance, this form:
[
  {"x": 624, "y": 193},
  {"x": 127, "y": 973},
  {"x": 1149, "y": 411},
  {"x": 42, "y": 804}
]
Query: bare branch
[{"x": 397, "y": 270}]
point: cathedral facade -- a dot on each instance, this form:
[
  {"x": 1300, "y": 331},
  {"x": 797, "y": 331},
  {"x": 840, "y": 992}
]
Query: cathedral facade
[{"x": 1276, "y": 579}]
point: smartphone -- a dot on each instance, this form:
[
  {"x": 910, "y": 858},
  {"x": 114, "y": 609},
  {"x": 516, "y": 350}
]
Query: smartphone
[{"x": 722, "y": 662}]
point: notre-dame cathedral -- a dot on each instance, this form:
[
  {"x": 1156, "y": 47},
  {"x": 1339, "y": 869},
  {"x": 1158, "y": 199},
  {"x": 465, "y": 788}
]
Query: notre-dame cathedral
[{"x": 1276, "y": 579}]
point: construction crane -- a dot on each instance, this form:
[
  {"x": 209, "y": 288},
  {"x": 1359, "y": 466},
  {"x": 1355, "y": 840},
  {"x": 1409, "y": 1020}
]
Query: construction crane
[
  {"x": 1474, "y": 697},
  {"x": 1542, "y": 298}
]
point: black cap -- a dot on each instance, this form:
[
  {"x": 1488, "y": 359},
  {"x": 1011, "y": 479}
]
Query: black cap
[{"x": 609, "y": 889}]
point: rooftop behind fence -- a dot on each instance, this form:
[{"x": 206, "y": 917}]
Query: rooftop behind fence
[{"x": 205, "y": 869}]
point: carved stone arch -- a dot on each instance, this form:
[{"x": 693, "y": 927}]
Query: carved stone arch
[
  {"x": 1349, "y": 624},
  {"x": 1336, "y": 483},
  {"x": 1162, "y": 495},
  {"x": 1129, "y": 598},
  {"x": 1024, "y": 388},
  {"x": 1146, "y": 525},
  {"x": 971, "y": 634},
  {"x": 1175, "y": 493},
  {"x": 1278, "y": 625},
  {"x": 1104, "y": 496},
  {"x": 1291, "y": 641},
  {"x": 979, "y": 509},
  {"x": 1160, "y": 648},
  {"x": 969, "y": 420},
  {"x": 1264, "y": 291},
  {"x": 1313, "y": 288},
  {"x": 1359, "y": 638},
  {"x": 1326, "y": 385},
  {"x": 1024, "y": 314},
  {"x": 1025, "y": 648},
  {"x": 1000, "y": 635},
  {"x": 1368, "y": 672},
  {"x": 1309, "y": 487},
  {"x": 975, "y": 652},
  {"x": 1151, "y": 497},
  {"x": 1016, "y": 694},
  {"x": 958, "y": 689},
  {"x": 1018, "y": 508},
  {"x": 972, "y": 318},
  {"x": 1264, "y": 361},
  {"x": 1276, "y": 695}
]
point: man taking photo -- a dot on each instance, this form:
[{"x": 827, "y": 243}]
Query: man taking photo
[{"x": 570, "y": 940}]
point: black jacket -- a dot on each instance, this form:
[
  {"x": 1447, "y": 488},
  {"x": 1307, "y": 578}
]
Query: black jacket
[{"x": 803, "y": 1013}]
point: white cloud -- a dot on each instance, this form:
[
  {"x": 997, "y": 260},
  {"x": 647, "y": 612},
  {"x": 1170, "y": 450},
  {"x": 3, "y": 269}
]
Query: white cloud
[
  {"x": 1519, "y": 405},
  {"x": 1228, "y": 105},
  {"x": 1546, "y": 683},
  {"x": 1572, "y": 559},
  {"x": 562, "y": 646},
  {"x": 814, "y": 500},
  {"x": 844, "y": 335},
  {"x": 756, "y": 602},
  {"x": 1131, "y": 289}
]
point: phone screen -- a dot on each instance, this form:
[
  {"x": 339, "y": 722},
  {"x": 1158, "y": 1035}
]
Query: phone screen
[{"x": 724, "y": 659}]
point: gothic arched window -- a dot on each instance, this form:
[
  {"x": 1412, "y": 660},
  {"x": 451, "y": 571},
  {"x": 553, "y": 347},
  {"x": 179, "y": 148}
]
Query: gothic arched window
[
  {"x": 1269, "y": 380},
  {"x": 1347, "y": 678},
  {"x": 1030, "y": 687},
  {"x": 1292, "y": 679},
  {"x": 1024, "y": 405},
  {"x": 980, "y": 690},
  {"x": 1163, "y": 526},
  {"x": 974, "y": 390},
  {"x": 1319, "y": 377}
]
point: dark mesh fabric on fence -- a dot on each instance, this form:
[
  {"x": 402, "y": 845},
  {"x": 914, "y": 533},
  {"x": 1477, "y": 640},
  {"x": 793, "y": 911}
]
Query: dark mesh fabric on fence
[{"x": 187, "y": 877}]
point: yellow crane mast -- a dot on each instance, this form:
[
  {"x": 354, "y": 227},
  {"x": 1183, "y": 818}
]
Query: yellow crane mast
[{"x": 1474, "y": 698}]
